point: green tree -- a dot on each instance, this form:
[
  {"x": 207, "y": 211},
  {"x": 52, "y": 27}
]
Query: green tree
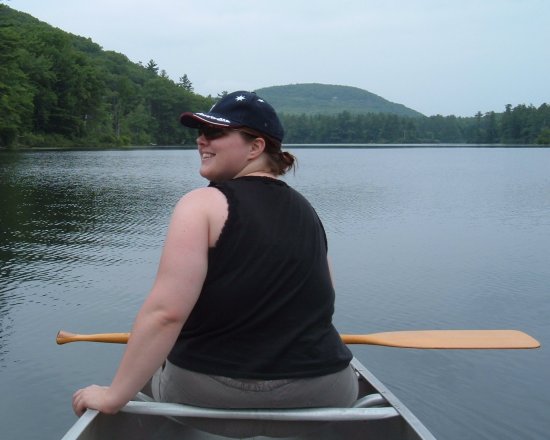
[
  {"x": 544, "y": 137},
  {"x": 185, "y": 83},
  {"x": 16, "y": 93},
  {"x": 490, "y": 128},
  {"x": 152, "y": 67},
  {"x": 138, "y": 125}
]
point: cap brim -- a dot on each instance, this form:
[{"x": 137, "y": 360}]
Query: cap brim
[{"x": 196, "y": 120}]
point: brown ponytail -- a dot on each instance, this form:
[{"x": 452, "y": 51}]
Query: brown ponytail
[{"x": 282, "y": 161}]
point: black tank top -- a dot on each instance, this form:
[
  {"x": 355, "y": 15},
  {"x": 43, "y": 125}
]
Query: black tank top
[{"x": 265, "y": 310}]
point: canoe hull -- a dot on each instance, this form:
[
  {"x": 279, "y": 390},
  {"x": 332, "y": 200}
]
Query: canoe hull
[{"x": 384, "y": 418}]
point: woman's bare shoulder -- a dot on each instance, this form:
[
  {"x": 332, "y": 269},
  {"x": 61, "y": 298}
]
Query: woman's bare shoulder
[
  {"x": 204, "y": 206},
  {"x": 204, "y": 200}
]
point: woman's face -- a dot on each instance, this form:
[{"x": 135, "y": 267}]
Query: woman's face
[{"x": 224, "y": 153}]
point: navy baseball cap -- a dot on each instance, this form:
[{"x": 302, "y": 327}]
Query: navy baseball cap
[{"x": 239, "y": 109}]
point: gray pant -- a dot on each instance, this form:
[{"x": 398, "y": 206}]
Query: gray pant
[{"x": 175, "y": 384}]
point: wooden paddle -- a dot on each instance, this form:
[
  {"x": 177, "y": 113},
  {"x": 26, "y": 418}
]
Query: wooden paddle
[
  {"x": 425, "y": 339},
  {"x": 447, "y": 339}
]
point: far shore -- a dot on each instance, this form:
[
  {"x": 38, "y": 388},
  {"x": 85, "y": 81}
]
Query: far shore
[{"x": 285, "y": 146}]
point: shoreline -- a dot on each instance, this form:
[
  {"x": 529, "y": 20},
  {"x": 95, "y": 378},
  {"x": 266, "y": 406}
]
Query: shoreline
[{"x": 285, "y": 146}]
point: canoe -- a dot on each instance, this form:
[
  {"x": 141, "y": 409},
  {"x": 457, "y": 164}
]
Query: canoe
[{"x": 377, "y": 415}]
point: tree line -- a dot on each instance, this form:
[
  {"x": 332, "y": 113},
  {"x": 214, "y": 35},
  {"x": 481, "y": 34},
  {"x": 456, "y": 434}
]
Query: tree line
[
  {"x": 61, "y": 90},
  {"x": 523, "y": 125}
]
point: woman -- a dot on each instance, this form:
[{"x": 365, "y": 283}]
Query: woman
[{"x": 240, "y": 313}]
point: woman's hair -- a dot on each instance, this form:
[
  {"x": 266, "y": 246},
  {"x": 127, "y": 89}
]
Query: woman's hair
[{"x": 280, "y": 162}]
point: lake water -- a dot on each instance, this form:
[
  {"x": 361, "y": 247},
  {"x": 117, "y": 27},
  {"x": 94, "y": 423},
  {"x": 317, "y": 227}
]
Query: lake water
[{"x": 420, "y": 238}]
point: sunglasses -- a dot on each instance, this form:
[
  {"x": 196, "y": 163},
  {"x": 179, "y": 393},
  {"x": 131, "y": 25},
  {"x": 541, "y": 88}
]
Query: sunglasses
[{"x": 211, "y": 133}]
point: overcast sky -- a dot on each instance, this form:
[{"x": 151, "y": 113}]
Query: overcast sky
[{"x": 435, "y": 56}]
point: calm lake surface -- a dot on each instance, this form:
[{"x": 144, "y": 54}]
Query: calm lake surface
[{"x": 420, "y": 238}]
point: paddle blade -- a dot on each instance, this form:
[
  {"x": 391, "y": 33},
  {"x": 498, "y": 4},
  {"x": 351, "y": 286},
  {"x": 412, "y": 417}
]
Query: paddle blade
[{"x": 447, "y": 339}]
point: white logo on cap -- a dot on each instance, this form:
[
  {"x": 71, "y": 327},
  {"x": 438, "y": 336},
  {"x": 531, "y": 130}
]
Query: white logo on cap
[
  {"x": 240, "y": 98},
  {"x": 214, "y": 118}
]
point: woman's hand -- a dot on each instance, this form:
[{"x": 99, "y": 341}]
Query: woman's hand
[{"x": 94, "y": 397}]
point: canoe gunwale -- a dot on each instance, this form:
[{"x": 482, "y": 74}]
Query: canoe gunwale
[
  {"x": 405, "y": 412},
  {"x": 83, "y": 422}
]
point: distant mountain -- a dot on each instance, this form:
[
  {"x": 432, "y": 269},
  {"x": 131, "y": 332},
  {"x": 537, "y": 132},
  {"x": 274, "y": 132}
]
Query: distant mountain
[{"x": 330, "y": 99}]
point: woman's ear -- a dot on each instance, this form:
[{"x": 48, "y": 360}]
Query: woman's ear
[{"x": 257, "y": 147}]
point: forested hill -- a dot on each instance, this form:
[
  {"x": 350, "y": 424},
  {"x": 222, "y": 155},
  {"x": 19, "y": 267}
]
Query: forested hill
[
  {"x": 63, "y": 90},
  {"x": 330, "y": 100},
  {"x": 60, "y": 89}
]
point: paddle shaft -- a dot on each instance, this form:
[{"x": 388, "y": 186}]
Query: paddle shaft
[{"x": 422, "y": 339}]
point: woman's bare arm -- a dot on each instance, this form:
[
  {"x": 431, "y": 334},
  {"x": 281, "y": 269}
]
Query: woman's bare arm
[{"x": 177, "y": 286}]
